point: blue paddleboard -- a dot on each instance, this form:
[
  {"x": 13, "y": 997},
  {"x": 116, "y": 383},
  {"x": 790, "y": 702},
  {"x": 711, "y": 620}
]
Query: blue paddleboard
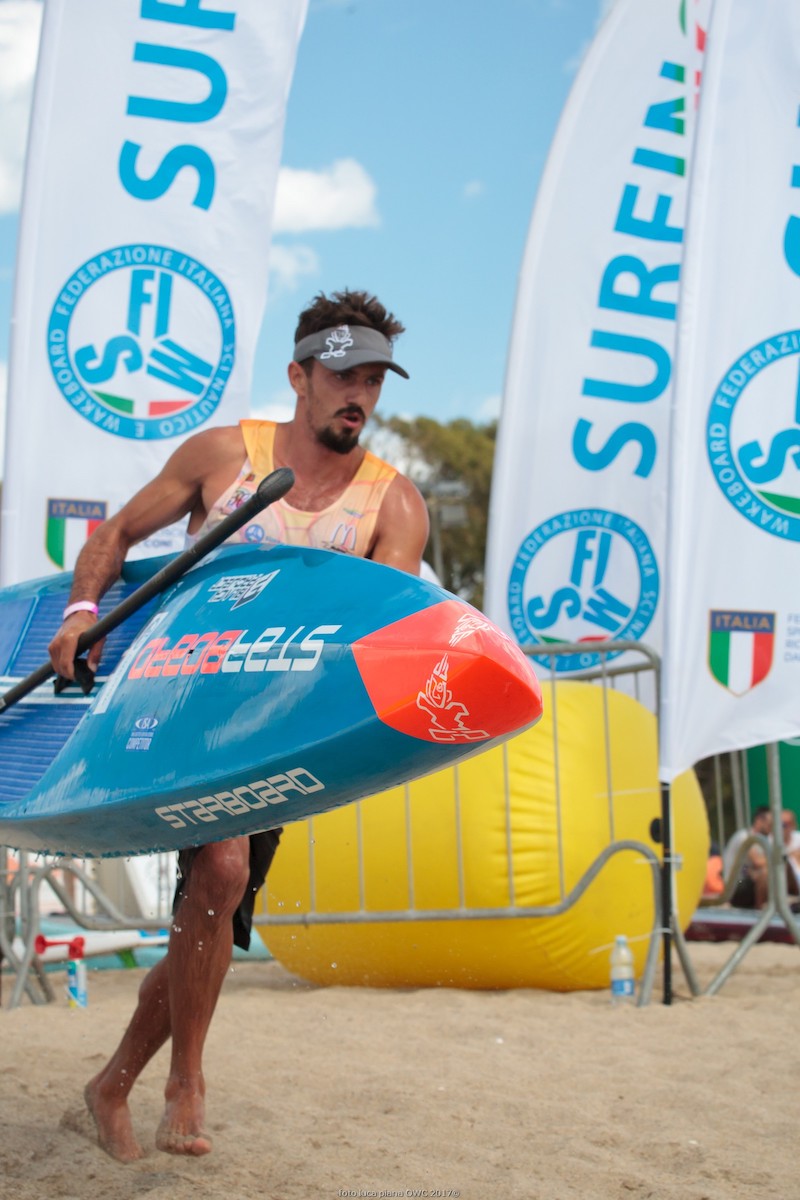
[{"x": 263, "y": 687}]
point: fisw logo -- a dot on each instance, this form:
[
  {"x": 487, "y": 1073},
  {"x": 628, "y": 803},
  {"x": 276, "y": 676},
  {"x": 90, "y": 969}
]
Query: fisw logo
[
  {"x": 142, "y": 341},
  {"x": 753, "y": 435},
  {"x": 587, "y": 575},
  {"x": 338, "y": 342}
]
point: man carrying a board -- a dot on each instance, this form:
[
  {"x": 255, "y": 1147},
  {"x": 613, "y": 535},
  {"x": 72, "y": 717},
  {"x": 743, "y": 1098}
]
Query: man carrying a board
[{"x": 343, "y": 498}]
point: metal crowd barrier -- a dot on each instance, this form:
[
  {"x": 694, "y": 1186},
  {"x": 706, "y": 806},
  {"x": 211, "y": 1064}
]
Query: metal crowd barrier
[
  {"x": 72, "y": 884},
  {"x": 778, "y": 904}
]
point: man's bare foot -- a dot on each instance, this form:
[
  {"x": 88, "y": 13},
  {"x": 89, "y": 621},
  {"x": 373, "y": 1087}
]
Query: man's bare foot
[
  {"x": 114, "y": 1126},
  {"x": 181, "y": 1128}
]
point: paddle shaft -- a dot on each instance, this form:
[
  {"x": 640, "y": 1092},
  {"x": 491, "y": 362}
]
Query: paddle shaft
[{"x": 270, "y": 489}]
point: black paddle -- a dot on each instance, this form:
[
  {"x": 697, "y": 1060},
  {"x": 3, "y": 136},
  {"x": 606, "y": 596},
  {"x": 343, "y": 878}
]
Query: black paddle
[{"x": 268, "y": 491}]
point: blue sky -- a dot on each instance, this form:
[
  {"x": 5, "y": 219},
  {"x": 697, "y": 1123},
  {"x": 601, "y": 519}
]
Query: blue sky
[{"x": 416, "y": 134}]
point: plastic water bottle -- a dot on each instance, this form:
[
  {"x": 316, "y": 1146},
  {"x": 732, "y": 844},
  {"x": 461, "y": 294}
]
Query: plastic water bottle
[
  {"x": 76, "y": 982},
  {"x": 623, "y": 986}
]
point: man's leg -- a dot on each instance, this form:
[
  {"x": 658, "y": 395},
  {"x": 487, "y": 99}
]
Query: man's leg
[
  {"x": 201, "y": 944},
  {"x": 179, "y": 993},
  {"x": 107, "y": 1094}
]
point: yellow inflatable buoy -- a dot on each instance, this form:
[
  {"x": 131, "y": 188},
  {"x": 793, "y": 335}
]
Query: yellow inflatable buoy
[{"x": 453, "y": 845}]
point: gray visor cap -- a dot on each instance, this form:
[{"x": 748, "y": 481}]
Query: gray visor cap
[{"x": 347, "y": 346}]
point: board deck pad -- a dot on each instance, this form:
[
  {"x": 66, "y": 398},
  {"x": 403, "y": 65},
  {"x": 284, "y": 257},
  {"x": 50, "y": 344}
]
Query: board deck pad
[
  {"x": 263, "y": 687},
  {"x": 33, "y": 731}
]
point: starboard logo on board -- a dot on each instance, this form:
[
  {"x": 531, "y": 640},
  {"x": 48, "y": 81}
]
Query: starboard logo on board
[{"x": 239, "y": 589}]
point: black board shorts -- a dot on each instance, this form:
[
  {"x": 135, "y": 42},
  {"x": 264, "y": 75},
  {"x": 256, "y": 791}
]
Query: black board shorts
[
  {"x": 262, "y": 851},
  {"x": 744, "y": 894}
]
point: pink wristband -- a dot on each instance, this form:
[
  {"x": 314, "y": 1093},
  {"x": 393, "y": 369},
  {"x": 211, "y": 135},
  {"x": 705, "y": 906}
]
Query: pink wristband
[{"x": 80, "y": 606}]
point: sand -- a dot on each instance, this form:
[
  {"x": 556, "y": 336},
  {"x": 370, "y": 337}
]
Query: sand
[{"x": 333, "y": 1092}]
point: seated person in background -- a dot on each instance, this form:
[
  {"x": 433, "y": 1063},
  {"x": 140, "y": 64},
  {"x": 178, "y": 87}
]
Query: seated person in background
[
  {"x": 752, "y": 886},
  {"x": 714, "y": 883},
  {"x": 791, "y": 834},
  {"x": 791, "y": 852}
]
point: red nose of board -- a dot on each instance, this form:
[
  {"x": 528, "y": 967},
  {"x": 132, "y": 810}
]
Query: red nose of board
[{"x": 447, "y": 674}]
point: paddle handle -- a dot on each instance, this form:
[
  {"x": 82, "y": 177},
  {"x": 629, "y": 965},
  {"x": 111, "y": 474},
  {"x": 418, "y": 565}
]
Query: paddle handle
[{"x": 269, "y": 490}]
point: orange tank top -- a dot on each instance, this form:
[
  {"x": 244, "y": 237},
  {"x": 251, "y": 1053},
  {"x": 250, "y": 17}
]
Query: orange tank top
[{"x": 348, "y": 524}]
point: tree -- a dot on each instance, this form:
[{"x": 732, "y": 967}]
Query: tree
[{"x": 437, "y": 457}]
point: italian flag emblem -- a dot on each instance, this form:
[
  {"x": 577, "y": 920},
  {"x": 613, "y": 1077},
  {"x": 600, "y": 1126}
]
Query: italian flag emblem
[
  {"x": 740, "y": 646},
  {"x": 69, "y": 524}
]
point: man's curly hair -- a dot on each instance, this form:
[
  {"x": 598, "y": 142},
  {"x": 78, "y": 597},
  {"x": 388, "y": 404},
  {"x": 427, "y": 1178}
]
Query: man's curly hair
[{"x": 347, "y": 308}]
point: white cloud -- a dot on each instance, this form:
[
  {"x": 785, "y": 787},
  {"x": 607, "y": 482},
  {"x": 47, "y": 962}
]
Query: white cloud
[
  {"x": 474, "y": 188},
  {"x": 288, "y": 265},
  {"x": 20, "y": 22},
  {"x": 574, "y": 63},
  {"x": 340, "y": 197},
  {"x": 394, "y": 449},
  {"x": 489, "y": 409},
  {"x": 279, "y": 408}
]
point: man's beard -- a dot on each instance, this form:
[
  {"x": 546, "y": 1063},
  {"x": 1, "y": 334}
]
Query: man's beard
[{"x": 341, "y": 442}]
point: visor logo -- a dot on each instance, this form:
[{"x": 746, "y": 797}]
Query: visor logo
[{"x": 338, "y": 341}]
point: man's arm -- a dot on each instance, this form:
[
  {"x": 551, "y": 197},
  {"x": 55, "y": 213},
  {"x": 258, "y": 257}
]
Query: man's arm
[
  {"x": 175, "y": 491},
  {"x": 402, "y": 527}
]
